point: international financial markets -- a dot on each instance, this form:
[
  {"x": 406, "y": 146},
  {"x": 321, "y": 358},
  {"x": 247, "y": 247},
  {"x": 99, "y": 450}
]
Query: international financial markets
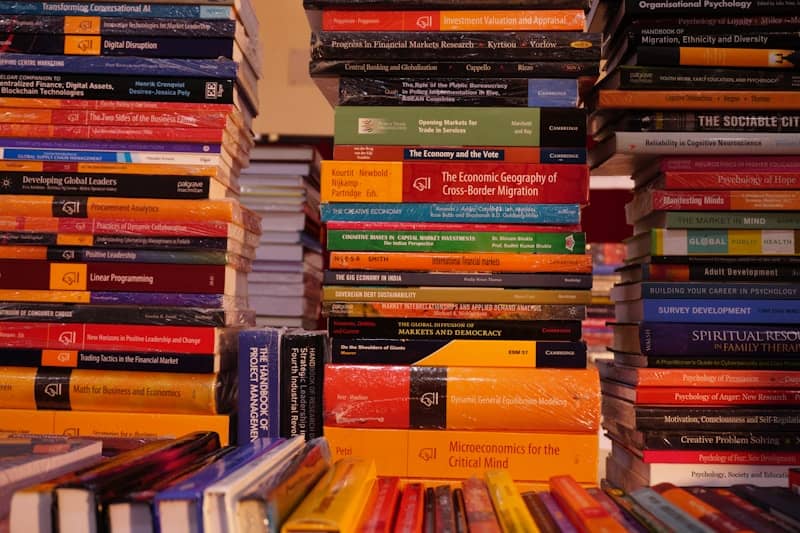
[{"x": 61, "y": 7}]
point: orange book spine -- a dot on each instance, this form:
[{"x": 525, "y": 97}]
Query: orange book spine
[
  {"x": 411, "y": 509},
  {"x": 108, "y": 105},
  {"x": 685, "y": 377},
  {"x": 699, "y": 509},
  {"x": 123, "y": 133},
  {"x": 207, "y": 119},
  {"x": 114, "y": 168},
  {"x": 529, "y": 456},
  {"x": 456, "y": 262},
  {"x": 586, "y": 513},
  {"x": 96, "y": 390},
  {"x": 702, "y": 100},
  {"x": 454, "y": 20}
]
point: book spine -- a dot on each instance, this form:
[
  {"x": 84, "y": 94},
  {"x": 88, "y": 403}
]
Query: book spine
[
  {"x": 539, "y": 512},
  {"x": 471, "y": 213},
  {"x": 127, "y": 361},
  {"x": 436, "y": 397},
  {"x": 509, "y": 154},
  {"x": 88, "y": 117},
  {"x": 745, "y": 441},
  {"x": 511, "y": 511},
  {"x": 711, "y": 397},
  {"x": 112, "y": 132},
  {"x": 723, "y": 242},
  {"x": 666, "y": 512},
  {"x": 584, "y": 512},
  {"x": 454, "y": 311},
  {"x": 687, "y": 378},
  {"x": 108, "y": 424},
  {"x": 127, "y": 9},
  {"x": 733, "y": 311},
  {"x": 131, "y": 185},
  {"x": 437, "y": 226},
  {"x": 699, "y": 100},
  {"x": 85, "y": 86},
  {"x": 453, "y": 329},
  {"x": 688, "y": 9},
  {"x": 711, "y": 475},
  {"x": 466, "y": 69},
  {"x": 704, "y": 340},
  {"x": 620, "y": 515},
  {"x": 453, "y": 20},
  {"x": 712, "y": 121},
  {"x": 769, "y": 38},
  {"x": 715, "y": 419},
  {"x": 142, "y": 315},
  {"x": 727, "y": 180},
  {"x": 336, "y": 293},
  {"x": 258, "y": 409},
  {"x": 444, "y": 512},
  {"x": 720, "y": 457},
  {"x": 556, "y": 512},
  {"x": 729, "y": 164},
  {"x": 459, "y": 352},
  {"x": 744, "y": 220},
  {"x": 719, "y": 291},
  {"x": 641, "y": 516},
  {"x": 776, "y": 504},
  {"x": 460, "y": 126},
  {"x": 410, "y": 509},
  {"x": 775, "y": 273},
  {"x": 440, "y": 279},
  {"x": 179, "y": 243},
  {"x": 505, "y": 45},
  {"x": 740, "y": 363},
  {"x": 119, "y": 298},
  {"x": 11, "y": 165},
  {"x": 457, "y": 241},
  {"x": 92, "y": 390},
  {"x": 510, "y": 92},
  {"x": 453, "y": 262},
  {"x": 380, "y": 510},
  {"x": 479, "y": 510},
  {"x": 131, "y": 277},
  {"x": 136, "y": 228},
  {"x": 423, "y": 182},
  {"x": 667, "y": 142},
  {"x": 706, "y": 56},
  {"x": 645, "y": 77},
  {"x": 133, "y": 209},
  {"x": 86, "y": 336},
  {"x": 447, "y": 4},
  {"x": 93, "y": 254}
]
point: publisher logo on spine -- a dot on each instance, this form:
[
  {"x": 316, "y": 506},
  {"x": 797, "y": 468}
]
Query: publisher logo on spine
[
  {"x": 51, "y": 388},
  {"x": 425, "y": 22},
  {"x": 370, "y": 126}
]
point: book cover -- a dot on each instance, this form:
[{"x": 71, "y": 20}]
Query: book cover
[{"x": 258, "y": 405}]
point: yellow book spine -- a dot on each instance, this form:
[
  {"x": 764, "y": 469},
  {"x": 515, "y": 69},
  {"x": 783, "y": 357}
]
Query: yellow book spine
[
  {"x": 529, "y": 457},
  {"x": 512, "y": 513},
  {"x": 337, "y": 501}
]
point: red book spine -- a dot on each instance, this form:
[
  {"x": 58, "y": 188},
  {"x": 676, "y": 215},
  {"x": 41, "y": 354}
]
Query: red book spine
[
  {"x": 495, "y": 182},
  {"x": 379, "y": 514},
  {"x": 165, "y": 228},
  {"x": 392, "y": 386},
  {"x": 731, "y": 163},
  {"x": 82, "y": 336},
  {"x": 654, "y": 377},
  {"x": 34, "y": 274},
  {"x": 672, "y": 396},
  {"x": 731, "y": 180},
  {"x": 447, "y": 226},
  {"x": 206, "y": 119},
  {"x": 691, "y": 201},
  {"x": 411, "y": 509},
  {"x": 720, "y": 457}
]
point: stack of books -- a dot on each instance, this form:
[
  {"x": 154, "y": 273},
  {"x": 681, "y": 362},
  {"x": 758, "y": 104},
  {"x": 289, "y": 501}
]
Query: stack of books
[
  {"x": 607, "y": 257},
  {"x": 125, "y": 249},
  {"x": 704, "y": 386},
  {"x": 282, "y": 186},
  {"x": 458, "y": 272}
]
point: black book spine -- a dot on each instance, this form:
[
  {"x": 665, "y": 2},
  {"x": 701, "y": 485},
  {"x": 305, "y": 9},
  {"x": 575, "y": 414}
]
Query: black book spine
[
  {"x": 303, "y": 356},
  {"x": 561, "y": 330},
  {"x": 717, "y": 419},
  {"x": 118, "y": 361},
  {"x": 411, "y": 279},
  {"x": 705, "y": 8},
  {"x": 710, "y": 79},
  {"x": 745, "y": 441},
  {"x": 530, "y": 46},
  {"x": 763, "y": 122},
  {"x": 118, "y": 314},
  {"x": 444, "y": 4}
]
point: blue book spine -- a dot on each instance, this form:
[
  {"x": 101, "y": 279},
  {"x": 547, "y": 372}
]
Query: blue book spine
[
  {"x": 720, "y": 291},
  {"x": 730, "y": 311},
  {"x": 112, "y": 145},
  {"x": 552, "y": 92},
  {"x": 486, "y": 213},
  {"x": 259, "y": 385},
  {"x": 718, "y": 339},
  {"x": 127, "y": 10},
  {"x": 128, "y": 65},
  {"x": 158, "y": 298}
]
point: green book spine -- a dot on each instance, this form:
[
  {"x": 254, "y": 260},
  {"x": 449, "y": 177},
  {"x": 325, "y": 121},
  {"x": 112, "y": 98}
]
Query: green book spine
[
  {"x": 460, "y": 126},
  {"x": 457, "y": 241}
]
